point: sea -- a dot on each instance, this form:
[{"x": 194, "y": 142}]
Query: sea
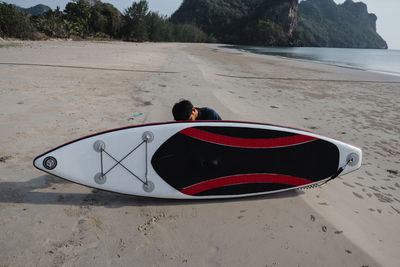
[{"x": 375, "y": 60}]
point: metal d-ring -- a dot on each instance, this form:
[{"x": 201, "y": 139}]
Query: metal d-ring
[
  {"x": 353, "y": 159},
  {"x": 100, "y": 178},
  {"x": 148, "y": 186},
  {"x": 148, "y": 137},
  {"x": 99, "y": 146}
]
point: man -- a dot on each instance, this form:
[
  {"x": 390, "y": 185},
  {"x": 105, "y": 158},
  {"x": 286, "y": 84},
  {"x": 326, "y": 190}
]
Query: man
[{"x": 184, "y": 111}]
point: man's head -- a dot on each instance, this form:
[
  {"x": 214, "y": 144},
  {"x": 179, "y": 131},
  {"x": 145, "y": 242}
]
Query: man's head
[{"x": 184, "y": 110}]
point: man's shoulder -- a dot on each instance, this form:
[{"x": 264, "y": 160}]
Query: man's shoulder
[{"x": 209, "y": 114}]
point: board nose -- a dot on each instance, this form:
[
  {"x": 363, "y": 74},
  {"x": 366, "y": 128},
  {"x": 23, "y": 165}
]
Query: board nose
[{"x": 38, "y": 163}]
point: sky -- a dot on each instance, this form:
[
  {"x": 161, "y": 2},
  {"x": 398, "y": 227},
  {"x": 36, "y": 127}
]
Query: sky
[{"x": 386, "y": 11}]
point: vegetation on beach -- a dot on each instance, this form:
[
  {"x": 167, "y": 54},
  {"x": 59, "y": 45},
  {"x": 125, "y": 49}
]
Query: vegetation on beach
[
  {"x": 14, "y": 23},
  {"x": 82, "y": 19}
]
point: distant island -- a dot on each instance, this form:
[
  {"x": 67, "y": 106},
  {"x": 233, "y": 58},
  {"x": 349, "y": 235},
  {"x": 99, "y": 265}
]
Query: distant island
[{"x": 317, "y": 23}]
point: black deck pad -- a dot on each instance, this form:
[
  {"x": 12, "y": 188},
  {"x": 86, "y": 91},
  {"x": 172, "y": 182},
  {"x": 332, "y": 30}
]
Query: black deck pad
[{"x": 208, "y": 161}]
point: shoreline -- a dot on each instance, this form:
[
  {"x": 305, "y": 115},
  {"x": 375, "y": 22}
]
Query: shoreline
[
  {"x": 232, "y": 46},
  {"x": 343, "y": 65},
  {"x": 351, "y": 221}
]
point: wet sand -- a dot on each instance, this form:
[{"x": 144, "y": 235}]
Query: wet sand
[{"x": 56, "y": 91}]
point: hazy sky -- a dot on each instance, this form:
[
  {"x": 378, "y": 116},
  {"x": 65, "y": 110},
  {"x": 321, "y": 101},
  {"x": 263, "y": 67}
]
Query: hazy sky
[{"x": 386, "y": 10}]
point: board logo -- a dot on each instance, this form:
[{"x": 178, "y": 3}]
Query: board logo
[{"x": 50, "y": 163}]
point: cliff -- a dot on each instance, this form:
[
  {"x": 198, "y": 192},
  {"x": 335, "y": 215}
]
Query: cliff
[
  {"x": 323, "y": 23},
  {"x": 260, "y": 22},
  {"x": 320, "y": 23}
]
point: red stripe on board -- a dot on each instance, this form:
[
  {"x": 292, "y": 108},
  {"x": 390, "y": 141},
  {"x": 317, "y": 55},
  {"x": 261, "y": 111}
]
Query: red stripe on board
[
  {"x": 246, "y": 142},
  {"x": 244, "y": 179}
]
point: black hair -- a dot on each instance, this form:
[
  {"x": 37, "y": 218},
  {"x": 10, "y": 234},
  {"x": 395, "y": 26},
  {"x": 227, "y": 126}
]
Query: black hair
[{"x": 182, "y": 110}]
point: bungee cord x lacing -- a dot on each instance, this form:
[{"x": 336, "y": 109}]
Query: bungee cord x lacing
[{"x": 101, "y": 177}]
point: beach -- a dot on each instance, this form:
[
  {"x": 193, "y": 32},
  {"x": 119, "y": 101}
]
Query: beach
[{"x": 55, "y": 91}]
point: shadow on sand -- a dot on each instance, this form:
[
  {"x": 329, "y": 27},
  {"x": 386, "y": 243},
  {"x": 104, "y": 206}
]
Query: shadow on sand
[{"x": 29, "y": 192}]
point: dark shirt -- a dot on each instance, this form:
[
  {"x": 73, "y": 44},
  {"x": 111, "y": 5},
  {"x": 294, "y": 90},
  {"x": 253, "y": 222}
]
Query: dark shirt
[{"x": 207, "y": 114}]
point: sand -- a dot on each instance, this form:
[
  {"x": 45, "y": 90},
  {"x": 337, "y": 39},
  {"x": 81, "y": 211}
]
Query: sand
[{"x": 55, "y": 91}]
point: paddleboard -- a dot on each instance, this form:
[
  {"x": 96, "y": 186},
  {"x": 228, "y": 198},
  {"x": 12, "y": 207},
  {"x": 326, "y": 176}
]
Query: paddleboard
[{"x": 201, "y": 159}]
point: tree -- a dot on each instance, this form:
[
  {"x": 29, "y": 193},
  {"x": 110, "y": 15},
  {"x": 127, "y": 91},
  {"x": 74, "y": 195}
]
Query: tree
[
  {"x": 78, "y": 13},
  {"x": 159, "y": 28},
  {"x": 135, "y": 28},
  {"x": 14, "y": 23},
  {"x": 105, "y": 18},
  {"x": 189, "y": 33},
  {"x": 51, "y": 23}
]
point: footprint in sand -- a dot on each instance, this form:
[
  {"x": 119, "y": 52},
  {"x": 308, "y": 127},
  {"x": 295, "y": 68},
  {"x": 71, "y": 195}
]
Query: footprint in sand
[
  {"x": 358, "y": 195},
  {"x": 3, "y": 159}
]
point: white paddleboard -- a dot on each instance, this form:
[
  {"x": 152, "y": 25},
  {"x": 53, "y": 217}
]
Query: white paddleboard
[{"x": 201, "y": 159}]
